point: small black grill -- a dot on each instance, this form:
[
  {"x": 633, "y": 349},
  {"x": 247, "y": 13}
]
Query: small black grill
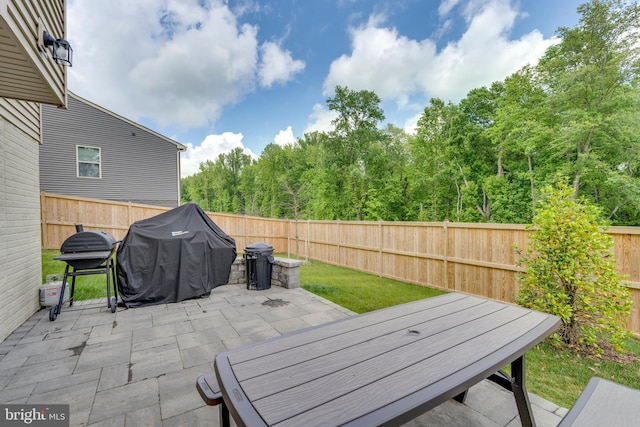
[
  {"x": 87, "y": 249},
  {"x": 87, "y": 252}
]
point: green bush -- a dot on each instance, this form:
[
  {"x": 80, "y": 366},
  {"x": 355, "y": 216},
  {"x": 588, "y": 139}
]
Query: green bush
[{"x": 570, "y": 272}]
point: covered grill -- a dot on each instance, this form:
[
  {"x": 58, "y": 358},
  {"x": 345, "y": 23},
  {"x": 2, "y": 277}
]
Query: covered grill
[{"x": 87, "y": 252}]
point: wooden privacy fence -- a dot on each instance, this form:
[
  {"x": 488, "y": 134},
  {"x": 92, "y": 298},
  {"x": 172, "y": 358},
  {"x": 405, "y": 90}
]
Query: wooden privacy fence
[{"x": 473, "y": 258}]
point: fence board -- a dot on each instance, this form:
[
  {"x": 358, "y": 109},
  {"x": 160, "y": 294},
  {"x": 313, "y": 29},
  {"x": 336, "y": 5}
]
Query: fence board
[{"x": 473, "y": 258}]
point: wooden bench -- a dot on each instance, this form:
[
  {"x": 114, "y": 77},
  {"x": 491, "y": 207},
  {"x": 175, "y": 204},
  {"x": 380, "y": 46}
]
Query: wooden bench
[
  {"x": 209, "y": 390},
  {"x": 604, "y": 403}
]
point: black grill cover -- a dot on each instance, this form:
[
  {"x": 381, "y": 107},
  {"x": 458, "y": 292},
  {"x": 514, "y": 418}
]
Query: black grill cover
[{"x": 174, "y": 256}]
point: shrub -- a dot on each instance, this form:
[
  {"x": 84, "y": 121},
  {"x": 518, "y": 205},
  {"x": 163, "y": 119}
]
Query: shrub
[{"x": 570, "y": 272}]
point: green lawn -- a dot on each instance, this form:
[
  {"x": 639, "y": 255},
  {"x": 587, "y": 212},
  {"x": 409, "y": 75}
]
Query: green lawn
[
  {"x": 556, "y": 375},
  {"x": 357, "y": 291},
  {"x": 87, "y": 287}
]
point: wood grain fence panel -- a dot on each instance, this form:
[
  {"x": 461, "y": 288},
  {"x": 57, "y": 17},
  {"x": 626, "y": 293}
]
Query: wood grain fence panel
[
  {"x": 627, "y": 251},
  {"x": 233, "y": 225},
  {"x": 401, "y": 237},
  {"x": 430, "y": 238},
  {"x": 634, "y": 320},
  {"x": 359, "y": 259},
  {"x": 430, "y": 272},
  {"x": 403, "y": 268},
  {"x": 479, "y": 259},
  {"x": 140, "y": 212}
]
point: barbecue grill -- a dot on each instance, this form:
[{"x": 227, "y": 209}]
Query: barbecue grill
[{"x": 87, "y": 252}]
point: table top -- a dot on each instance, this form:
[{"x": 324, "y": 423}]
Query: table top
[{"x": 386, "y": 366}]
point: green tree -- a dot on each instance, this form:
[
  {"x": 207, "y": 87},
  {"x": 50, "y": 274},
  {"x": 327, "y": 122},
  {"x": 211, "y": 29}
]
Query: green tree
[
  {"x": 386, "y": 161},
  {"x": 217, "y": 185},
  {"x": 348, "y": 148},
  {"x": 270, "y": 170},
  {"x": 571, "y": 272},
  {"x": 478, "y": 160},
  {"x": 519, "y": 134},
  {"x": 431, "y": 172},
  {"x": 592, "y": 78}
]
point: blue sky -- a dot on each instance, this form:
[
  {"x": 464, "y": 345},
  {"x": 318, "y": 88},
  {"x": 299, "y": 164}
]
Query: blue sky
[{"x": 216, "y": 75}]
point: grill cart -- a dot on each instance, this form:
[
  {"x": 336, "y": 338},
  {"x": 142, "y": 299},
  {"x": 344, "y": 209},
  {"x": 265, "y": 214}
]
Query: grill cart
[{"x": 87, "y": 252}]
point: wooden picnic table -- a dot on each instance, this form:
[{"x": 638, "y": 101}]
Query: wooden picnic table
[{"x": 381, "y": 368}]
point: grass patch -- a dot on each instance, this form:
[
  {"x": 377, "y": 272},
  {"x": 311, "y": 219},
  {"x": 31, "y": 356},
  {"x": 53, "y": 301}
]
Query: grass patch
[
  {"x": 359, "y": 292},
  {"x": 87, "y": 287},
  {"x": 561, "y": 375},
  {"x": 556, "y": 375}
]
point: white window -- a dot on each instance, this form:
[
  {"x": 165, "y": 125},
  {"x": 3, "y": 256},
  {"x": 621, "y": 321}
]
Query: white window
[{"x": 88, "y": 162}]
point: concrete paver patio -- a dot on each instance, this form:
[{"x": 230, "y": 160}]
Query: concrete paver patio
[{"x": 138, "y": 367}]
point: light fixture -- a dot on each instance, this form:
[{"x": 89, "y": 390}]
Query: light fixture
[{"x": 62, "y": 52}]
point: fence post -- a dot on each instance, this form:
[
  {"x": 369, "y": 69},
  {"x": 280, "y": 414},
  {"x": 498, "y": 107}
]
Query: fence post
[
  {"x": 288, "y": 243},
  {"x": 246, "y": 237},
  {"x": 380, "y": 257},
  {"x": 446, "y": 254},
  {"x": 43, "y": 220},
  {"x": 339, "y": 258},
  {"x": 306, "y": 256}
]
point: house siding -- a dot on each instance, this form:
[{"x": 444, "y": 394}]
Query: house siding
[
  {"x": 20, "y": 254},
  {"x": 26, "y": 72},
  {"x": 136, "y": 165},
  {"x": 24, "y": 114},
  {"x": 28, "y": 77}
]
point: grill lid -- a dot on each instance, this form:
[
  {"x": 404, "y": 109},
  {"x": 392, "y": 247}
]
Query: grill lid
[{"x": 89, "y": 241}]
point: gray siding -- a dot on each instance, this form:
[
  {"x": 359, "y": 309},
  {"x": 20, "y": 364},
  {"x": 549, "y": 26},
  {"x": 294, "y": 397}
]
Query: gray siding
[
  {"x": 20, "y": 257},
  {"x": 137, "y": 165}
]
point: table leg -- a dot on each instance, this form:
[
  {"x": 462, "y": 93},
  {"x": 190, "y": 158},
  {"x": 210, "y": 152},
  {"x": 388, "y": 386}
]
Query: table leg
[
  {"x": 224, "y": 415},
  {"x": 462, "y": 397},
  {"x": 520, "y": 392}
]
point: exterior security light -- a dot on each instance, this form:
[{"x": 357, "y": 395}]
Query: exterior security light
[{"x": 62, "y": 52}]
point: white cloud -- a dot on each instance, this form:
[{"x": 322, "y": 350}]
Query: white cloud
[
  {"x": 277, "y": 65},
  {"x": 177, "y": 62},
  {"x": 397, "y": 68},
  {"x": 411, "y": 124},
  {"x": 285, "y": 137},
  {"x": 320, "y": 119},
  {"x": 381, "y": 61},
  {"x": 210, "y": 149},
  {"x": 446, "y": 6}
]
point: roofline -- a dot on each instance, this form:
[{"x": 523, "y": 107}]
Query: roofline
[{"x": 180, "y": 147}]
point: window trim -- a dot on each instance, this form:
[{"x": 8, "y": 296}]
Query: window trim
[{"x": 99, "y": 162}]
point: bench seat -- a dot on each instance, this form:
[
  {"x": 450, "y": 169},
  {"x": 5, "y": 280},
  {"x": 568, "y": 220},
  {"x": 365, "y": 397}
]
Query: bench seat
[
  {"x": 604, "y": 403},
  {"x": 209, "y": 389}
]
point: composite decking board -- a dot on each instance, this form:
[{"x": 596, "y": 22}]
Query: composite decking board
[
  {"x": 372, "y": 396},
  {"x": 361, "y": 394},
  {"x": 422, "y": 321},
  {"x": 410, "y": 406},
  {"x": 400, "y": 341},
  {"x": 380, "y": 381},
  {"x": 306, "y": 336}
]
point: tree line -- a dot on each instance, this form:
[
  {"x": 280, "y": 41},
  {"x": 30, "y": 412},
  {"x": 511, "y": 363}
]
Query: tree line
[{"x": 484, "y": 159}]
